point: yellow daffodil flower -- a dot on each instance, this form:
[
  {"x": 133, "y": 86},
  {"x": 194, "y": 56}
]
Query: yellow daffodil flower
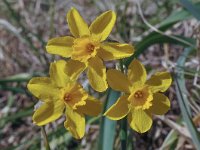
[
  {"x": 141, "y": 98},
  {"x": 87, "y": 45},
  {"x": 61, "y": 92}
]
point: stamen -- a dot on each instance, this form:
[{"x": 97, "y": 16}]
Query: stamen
[
  {"x": 90, "y": 48},
  {"x": 138, "y": 94},
  {"x": 67, "y": 97}
]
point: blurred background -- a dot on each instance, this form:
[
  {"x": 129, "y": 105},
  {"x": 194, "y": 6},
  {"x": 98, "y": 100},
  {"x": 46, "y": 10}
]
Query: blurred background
[{"x": 166, "y": 36}]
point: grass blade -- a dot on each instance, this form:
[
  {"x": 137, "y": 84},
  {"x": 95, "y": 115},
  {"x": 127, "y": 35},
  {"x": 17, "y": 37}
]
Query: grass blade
[
  {"x": 193, "y": 9},
  {"x": 154, "y": 37},
  {"x": 183, "y": 102},
  {"x": 107, "y": 131},
  {"x": 170, "y": 139},
  {"x": 23, "y": 77}
]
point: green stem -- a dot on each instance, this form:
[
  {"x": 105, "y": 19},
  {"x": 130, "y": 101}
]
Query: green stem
[
  {"x": 46, "y": 142},
  {"x": 123, "y": 122},
  {"x": 123, "y": 133}
]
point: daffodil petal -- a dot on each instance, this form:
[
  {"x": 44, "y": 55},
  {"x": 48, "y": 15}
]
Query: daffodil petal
[
  {"x": 60, "y": 46},
  {"x": 48, "y": 112},
  {"x": 102, "y": 25},
  {"x": 160, "y": 82},
  {"x": 119, "y": 109},
  {"x": 160, "y": 104},
  {"x": 42, "y": 88},
  {"x": 137, "y": 72},
  {"x": 140, "y": 120},
  {"x": 97, "y": 74},
  {"x": 118, "y": 81},
  {"x": 57, "y": 73},
  {"x": 93, "y": 107},
  {"x": 74, "y": 68},
  {"x": 78, "y": 27},
  {"x": 75, "y": 123},
  {"x": 112, "y": 51}
]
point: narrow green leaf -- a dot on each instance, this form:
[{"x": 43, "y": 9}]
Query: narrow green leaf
[
  {"x": 23, "y": 77},
  {"x": 183, "y": 101},
  {"x": 181, "y": 79},
  {"x": 177, "y": 16},
  {"x": 107, "y": 129},
  {"x": 170, "y": 139},
  {"x": 154, "y": 37},
  {"x": 13, "y": 89},
  {"x": 192, "y": 8},
  {"x": 14, "y": 117}
]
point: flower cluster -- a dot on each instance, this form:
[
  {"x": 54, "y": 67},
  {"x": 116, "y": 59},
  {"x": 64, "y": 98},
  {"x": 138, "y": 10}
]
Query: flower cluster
[
  {"x": 87, "y": 49},
  {"x": 141, "y": 98}
]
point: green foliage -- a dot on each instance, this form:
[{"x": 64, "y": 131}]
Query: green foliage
[
  {"x": 16, "y": 85},
  {"x": 183, "y": 100},
  {"x": 192, "y": 8},
  {"x": 107, "y": 131}
]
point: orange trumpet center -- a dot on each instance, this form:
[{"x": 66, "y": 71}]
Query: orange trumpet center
[
  {"x": 138, "y": 94},
  {"x": 67, "y": 97},
  {"x": 90, "y": 48}
]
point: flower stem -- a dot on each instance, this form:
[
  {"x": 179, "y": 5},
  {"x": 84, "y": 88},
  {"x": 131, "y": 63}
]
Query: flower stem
[
  {"x": 123, "y": 133},
  {"x": 123, "y": 122},
  {"x": 46, "y": 142}
]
